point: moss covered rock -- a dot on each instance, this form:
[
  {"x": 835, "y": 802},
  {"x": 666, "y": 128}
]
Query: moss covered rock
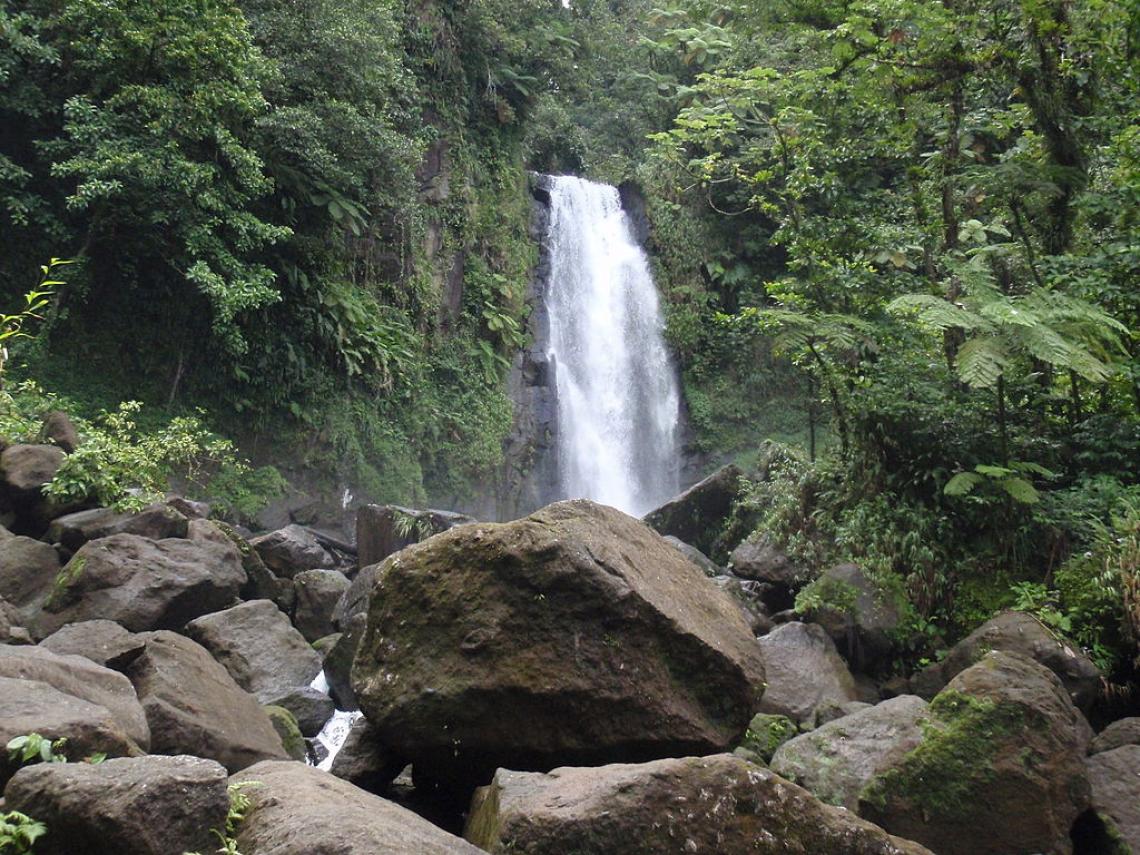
[
  {"x": 999, "y": 769},
  {"x": 285, "y": 723},
  {"x": 575, "y": 635},
  {"x": 767, "y": 732}
]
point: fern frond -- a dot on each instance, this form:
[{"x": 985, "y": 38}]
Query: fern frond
[
  {"x": 935, "y": 312},
  {"x": 981, "y": 361}
]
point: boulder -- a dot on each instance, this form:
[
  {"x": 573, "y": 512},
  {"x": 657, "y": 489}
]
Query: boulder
[
  {"x": 260, "y": 648},
  {"x": 720, "y": 804},
  {"x": 28, "y": 569},
  {"x": 11, "y": 629},
  {"x": 144, "y": 584},
  {"x": 194, "y": 706},
  {"x": 310, "y": 707},
  {"x": 60, "y": 429},
  {"x": 575, "y": 634},
  {"x": 299, "y": 810},
  {"x": 382, "y": 530},
  {"x": 156, "y": 522},
  {"x": 711, "y": 568},
  {"x": 260, "y": 583},
  {"x": 804, "y": 671},
  {"x": 1023, "y": 634},
  {"x": 762, "y": 560},
  {"x": 291, "y": 550},
  {"x": 189, "y": 508},
  {"x": 285, "y": 723},
  {"x": 1000, "y": 768},
  {"x": 29, "y": 706},
  {"x": 766, "y": 733},
  {"x": 317, "y": 595},
  {"x": 750, "y": 597},
  {"x": 129, "y": 806},
  {"x": 1114, "y": 776},
  {"x": 354, "y": 600},
  {"x": 24, "y": 469},
  {"x": 104, "y": 642},
  {"x": 699, "y": 514},
  {"x": 1126, "y": 731},
  {"x": 362, "y": 760},
  {"x": 337, "y": 664},
  {"x": 81, "y": 678},
  {"x": 861, "y": 615},
  {"x": 837, "y": 760}
]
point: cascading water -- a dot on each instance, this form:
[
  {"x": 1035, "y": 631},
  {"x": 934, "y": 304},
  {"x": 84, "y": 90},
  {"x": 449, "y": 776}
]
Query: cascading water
[{"x": 617, "y": 391}]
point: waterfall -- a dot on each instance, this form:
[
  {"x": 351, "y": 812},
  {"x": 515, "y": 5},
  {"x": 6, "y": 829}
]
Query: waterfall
[{"x": 616, "y": 386}]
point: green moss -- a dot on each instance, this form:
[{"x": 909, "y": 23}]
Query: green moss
[
  {"x": 286, "y": 726},
  {"x": 766, "y": 733},
  {"x": 827, "y": 593},
  {"x": 68, "y": 575},
  {"x": 943, "y": 775}
]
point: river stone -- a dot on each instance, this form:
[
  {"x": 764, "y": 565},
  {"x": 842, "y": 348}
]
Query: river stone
[
  {"x": 354, "y": 600},
  {"x": 1023, "y": 634},
  {"x": 60, "y": 429},
  {"x": 863, "y": 627},
  {"x": 317, "y": 595},
  {"x": 576, "y": 634},
  {"x": 260, "y": 648},
  {"x": 711, "y": 568},
  {"x": 720, "y": 804},
  {"x": 837, "y": 760},
  {"x": 750, "y": 598},
  {"x": 766, "y": 733},
  {"x": 1115, "y": 779},
  {"x": 1126, "y": 731},
  {"x": 24, "y": 469},
  {"x": 29, "y": 706},
  {"x": 363, "y": 761},
  {"x": 156, "y": 522},
  {"x": 699, "y": 514},
  {"x": 144, "y": 584},
  {"x": 194, "y": 706},
  {"x": 382, "y": 530},
  {"x": 338, "y": 663},
  {"x": 83, "y": 679},
  {"x": 11, "y": 629},
  {"x": 804, "y": 671},
  {"x": 299, "y": 810},
  {"x": 310, "y": 707},
  {"x": 28, "y": 569},
  {"x": 1000, "y": 769},
  {"x": 130, "y": 806},
  {"x": 291, "y": 550},
  {"x": 104, "y": 642},
  {"x": 763, "y": 561}
]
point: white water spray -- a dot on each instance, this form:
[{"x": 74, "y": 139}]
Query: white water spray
[{"x": 618, "y": 398}]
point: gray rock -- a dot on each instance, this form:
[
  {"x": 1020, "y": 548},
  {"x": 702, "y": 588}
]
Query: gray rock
[
  {"x": 291, "y": 550},
  {"x": 11, "y": 629},
  {"x": 1114, "y": 776},
  {"x": 83, "y": 679},
  {"x": 364, "y": 761},
  {"x": 29, "y": 706},
  {"x": 1023, "y": 634},
  {"x": 317, "y": 595},
  {"x": 864, "y": 623},
  {"x": 1126, "y": 731},
  {"x": 575, "y": 634},
  {"x": 311, "y": 708},
  {"x": 144, "y": 584},
  {"x": 382, "y": 530},
  {"x": 1000, "y": 769},
  {"x": 104, "y": 642},
  {"x": 131, "y": 806},
  {"x": 190, "y": 508},
  {"x": 155, "y": 522},
  {"x": 259, "y": 647},
  {"x": 24, "y": 469},
  {"x": 750, "y": 597},
  {"x": 720, "y": 804},
  {"x": 59, "y": 429},
  {"x": 699, "y": 514},
  {"x": 804, "y": 671},
  {"x": 193, "y": 705},
  {"x": 354, "y": 600},
  {"x": 299, "y": 810},
  {"x": 711, "y": 568},
  {"x": 763, "y": 561},
  {"x": 837, "y": 760},
  {"x": 28, "y": 570},
  {"x": 338, "y": 663}
]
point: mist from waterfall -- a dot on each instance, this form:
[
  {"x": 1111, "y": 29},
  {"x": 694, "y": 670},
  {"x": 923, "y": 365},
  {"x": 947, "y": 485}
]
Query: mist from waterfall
[{"x": 617, "y": 393}]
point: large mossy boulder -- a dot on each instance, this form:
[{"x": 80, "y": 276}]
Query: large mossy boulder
[
  {"x": 861, "y": 614},
  {"x": 144, "y": 584},
  {"x": 317, "y": 594},
  {"x": 1000, "y": 768},
  {"x": 574, "y": 635},
  {"x": 260, "y": 648},
  {"x": 698, "y": 516},
  {"x": 194, "y": 706},
  {"x": 837, "y": 760},
  {"x": 299, "y": 810},
  {"x": 1024, "y": 635},
  {"x": 804, "y": 672},
  {"x": 720, "y": 804},
  {"x": 130, "y": 806}
]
